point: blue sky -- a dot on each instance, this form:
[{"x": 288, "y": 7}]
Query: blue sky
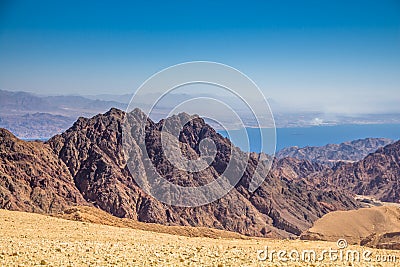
[{"x": 334, "y": 56}]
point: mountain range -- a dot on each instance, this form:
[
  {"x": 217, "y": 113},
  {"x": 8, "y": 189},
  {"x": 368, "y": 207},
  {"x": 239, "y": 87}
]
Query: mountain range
[
  {"x": 33, "y": 116},
  {"x": 85, "y": 165},
  {"x": 331, "y": 154},
  {"x": 376, "y": 175}
]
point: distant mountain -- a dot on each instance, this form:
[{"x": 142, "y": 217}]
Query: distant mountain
[
  {"x": 17, "y": 103},
  {"x": 377, "y": 175},
  {"x": 36, "y": 125},
  {"x": 88, "y": 158},
  {"x": 82, "y": 104},
  {"x": 124, "y": 98},
  {"x": 331, "y": 154},
  {"x": 22, "y": 102},
  {"x": 32, "y": 116}
]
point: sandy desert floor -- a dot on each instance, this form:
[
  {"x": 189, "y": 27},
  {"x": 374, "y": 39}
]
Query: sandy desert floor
[{"x": 28, "y": 239}]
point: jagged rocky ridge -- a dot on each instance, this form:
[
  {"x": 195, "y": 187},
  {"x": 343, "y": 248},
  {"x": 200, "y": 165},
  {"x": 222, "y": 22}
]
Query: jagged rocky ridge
[
  {"x": 333, "y": 153},
  {"x": 377, "y": 175},
  {"x": 86, "y": 166}
]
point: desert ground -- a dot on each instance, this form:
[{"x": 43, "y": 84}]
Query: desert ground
[
  {"x": 357, "y": 225},
  {"x": 28, "y": 239}
]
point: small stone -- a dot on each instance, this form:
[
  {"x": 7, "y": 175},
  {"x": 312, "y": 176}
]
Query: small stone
[{"x": 43, "y": 262}]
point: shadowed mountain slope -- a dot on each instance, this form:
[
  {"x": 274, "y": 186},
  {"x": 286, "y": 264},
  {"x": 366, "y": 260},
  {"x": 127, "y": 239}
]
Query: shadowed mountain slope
[{"x": 91, "y": 169}]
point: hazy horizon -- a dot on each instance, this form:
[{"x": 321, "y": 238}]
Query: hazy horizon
[{"x": 341, "y": 57}]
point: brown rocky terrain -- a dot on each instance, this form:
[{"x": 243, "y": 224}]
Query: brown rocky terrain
[
  {"x": 33, "y": 178},
  {"x": 89, "y": 159},
  {"x": 332, "y": 153},
  {"x": 379, "y": 173},
  {"x": 376, "y": 175},
  {"x": 297, "y": 169},
  {"x": 376, "y": 227}
]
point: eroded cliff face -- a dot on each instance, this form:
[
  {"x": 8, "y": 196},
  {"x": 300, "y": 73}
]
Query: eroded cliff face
[
  {"x": 33, "y": 178},
  {"x": 86, "y": 165}
]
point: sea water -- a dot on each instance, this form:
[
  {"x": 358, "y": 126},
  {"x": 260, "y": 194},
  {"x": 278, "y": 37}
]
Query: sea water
[{"x": 315, "y": 135}]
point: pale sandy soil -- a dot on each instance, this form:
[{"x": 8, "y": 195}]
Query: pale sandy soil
[
  {"x": 32, "y": 240},
  {"x": 357, "y": 224}
]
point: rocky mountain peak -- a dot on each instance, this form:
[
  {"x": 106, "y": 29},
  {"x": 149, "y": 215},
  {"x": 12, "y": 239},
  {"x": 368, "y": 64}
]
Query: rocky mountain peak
[
  {"x": 89, "y": 159},
  {"x": 333, "y": 154}
]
